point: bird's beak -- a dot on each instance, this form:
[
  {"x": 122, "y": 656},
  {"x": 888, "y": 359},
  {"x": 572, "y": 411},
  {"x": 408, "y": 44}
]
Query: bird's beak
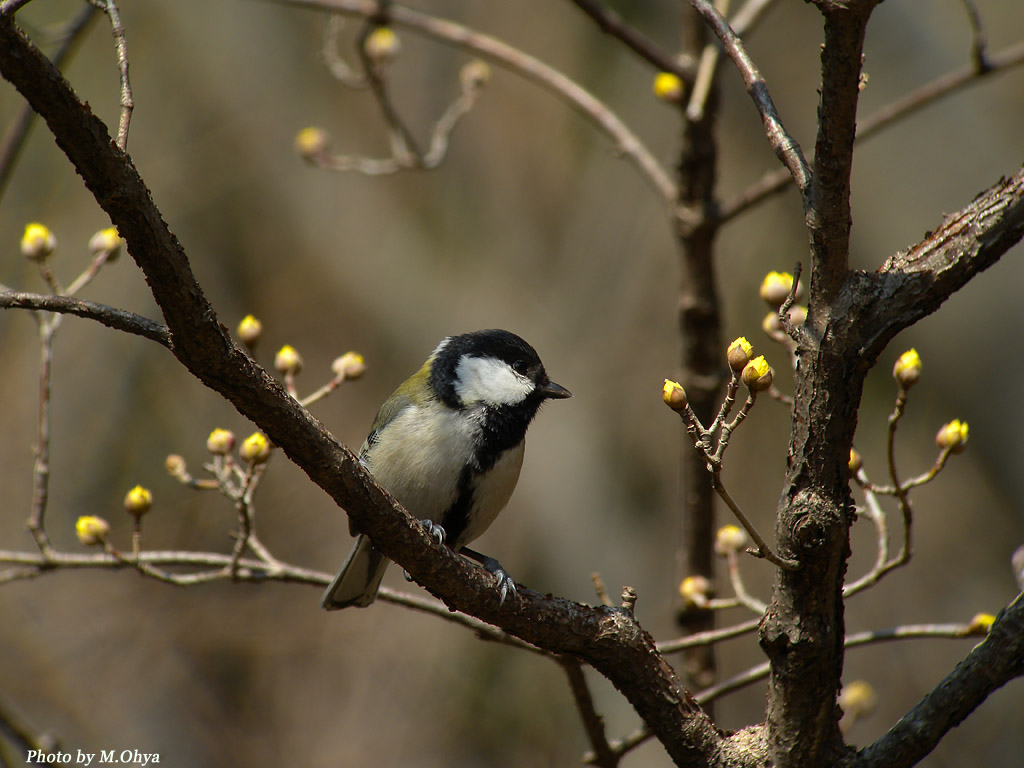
[{"x": 555, "y": 391}]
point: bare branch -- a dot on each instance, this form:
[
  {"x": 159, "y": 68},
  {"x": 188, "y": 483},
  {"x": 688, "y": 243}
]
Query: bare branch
[
  {"x": 777, "y": 181},
  {"x": 593, "y": 723},
  {"x": 786, "y": 148},
  {"x": 487, "y": 47},
  {"x": 914, "y": 283},
  {"x": 991, "y": 664},
  {"x": 612, "y": 24},
  {"x": 127, "y": 102},
  {"x": 118, "y": 319}
]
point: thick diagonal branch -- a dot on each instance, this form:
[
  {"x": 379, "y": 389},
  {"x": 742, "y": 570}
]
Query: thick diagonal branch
[{"x": 991, "y": 664}]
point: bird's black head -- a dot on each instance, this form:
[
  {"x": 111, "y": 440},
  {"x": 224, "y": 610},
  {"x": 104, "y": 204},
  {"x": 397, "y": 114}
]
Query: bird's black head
[{"x": 491, "y": 368}]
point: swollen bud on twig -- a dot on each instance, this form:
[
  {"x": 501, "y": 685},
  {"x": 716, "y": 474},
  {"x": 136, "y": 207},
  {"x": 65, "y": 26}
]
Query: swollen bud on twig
[
  {"x": 351, "y": 365},
  {"x": 91, "y": 530},
  {"x": 220, "y": 442},
  {"x": 138, "y": 501},
  {"x": 738, "y": 353},
  {"x": 475, "y": 75},
  {"x": 730, "y": 539},
  {"x": 250, "y": 330},
  {"x": 856, "y": 462},
  {"x": 382, "y": 46},
  {"x": 757, "y": 375},
  {"x": 907, "y": 369},
  {"x": 255, "y": 449},
  {"x": 287, "y": 360},
  {"x": 674, "y": 395},
  {"x": 311, "y": 143},
  {"x": 106, "y": 241},
  {"x": 38, "y": 242},
  {"x": 775, "y": 288},
  {"x": 858, "y": 699},
  {"x": 695, "y": 590},
  {"x": 669, "y": 87},
  {"x": 980, "y": 624},
  {"x": 952, "y": 436}
]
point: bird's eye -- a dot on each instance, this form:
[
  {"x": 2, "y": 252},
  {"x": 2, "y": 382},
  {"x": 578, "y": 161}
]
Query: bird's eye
[{"x": 521, "y": 367}]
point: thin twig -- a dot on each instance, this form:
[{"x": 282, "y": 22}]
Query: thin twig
[
  {"x": 118, "y": 319},
  {"x": 41, "y": 467},
  {"x": 403, "y": 144},
  {"x": 612, "y": 24},
  {"x": 978, "y": 44},
  {"x": 707, "y": 638},
  {"x": 121, "y": 47},
  {"x": 763, "y": 550},
  {"x": 785, "y": 146},
  {"x": 778, "y": 180},
  {"x": 593, "y": 723},
  {"x": 705, "y": 73},
  {"x": 548, "y": 78}
]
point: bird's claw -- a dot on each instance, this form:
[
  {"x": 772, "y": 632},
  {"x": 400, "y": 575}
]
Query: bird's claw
[
  {"x": 506, "y": 585},
  {"x": 435, "y": 530}
]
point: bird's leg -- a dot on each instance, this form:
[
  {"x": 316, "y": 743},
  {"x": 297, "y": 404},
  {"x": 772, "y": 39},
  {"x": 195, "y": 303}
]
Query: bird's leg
[{"x": 505, "y": 583}]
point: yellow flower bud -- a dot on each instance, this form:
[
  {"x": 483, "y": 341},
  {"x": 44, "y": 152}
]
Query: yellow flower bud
[
  {"x": 220, "y": 442},
  {"x": 91, "y": 530},
  {"x": 311, "y": 143},
  {"x": 38, "y": 242},
  {"x": 757, "y": 374},
  {"x": 674, "y": 395},
  {"x": 475, "y": 75},
  {"x": 668, "y": 87},
  {"x": 856, "y": 462},
  {"x": 858, "y": 699},
  {"x": 255, "y": 448},
  {"x": 952, "y": 436},
  {"x": 138, "y": 501},
  {"x": 907, "y": 369},
  {"x": 730, "y": 538},
  {"x": 980, "y": 624},
  {"x": 695, "y": 590},
  {"x": 351, "y": 365},
  {"x": 287, "y": 360},
  {"x": 738, "y": 353},
  {"x": 775, "y": 288},
  {"x": 175, "y": 465},
  {"x": 250, "y": 330},
  {"x": 382, "y": 46},
  {"x": 106, "y": 241}
]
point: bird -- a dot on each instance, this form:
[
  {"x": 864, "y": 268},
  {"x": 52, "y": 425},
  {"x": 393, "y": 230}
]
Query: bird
[{"x": 448, "y": 445}]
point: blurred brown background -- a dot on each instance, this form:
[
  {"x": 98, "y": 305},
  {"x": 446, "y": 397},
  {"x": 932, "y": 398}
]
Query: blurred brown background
[{"x": 533, "y": 224}]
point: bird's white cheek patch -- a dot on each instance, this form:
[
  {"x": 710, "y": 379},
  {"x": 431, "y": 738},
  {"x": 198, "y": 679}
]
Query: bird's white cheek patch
[{"x": 486, "y": 380}]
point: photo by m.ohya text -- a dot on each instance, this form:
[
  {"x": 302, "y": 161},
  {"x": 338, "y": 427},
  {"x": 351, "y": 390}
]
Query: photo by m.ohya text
[{"x": 102, "y": 757}]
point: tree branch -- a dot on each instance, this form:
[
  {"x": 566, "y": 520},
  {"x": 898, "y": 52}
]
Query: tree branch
[
  {"x": 609, "y": 22},
  {"x": 485, "y": 46},
  {"x": 991, "y": 664},
  {"x": 914, "y": 283},
  {"x": 786, "y": 148},
  {"x": 118, "y": 319}
]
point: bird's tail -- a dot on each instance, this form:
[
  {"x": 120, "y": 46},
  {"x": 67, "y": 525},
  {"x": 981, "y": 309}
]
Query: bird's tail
[{"x": 358, "y": 580}]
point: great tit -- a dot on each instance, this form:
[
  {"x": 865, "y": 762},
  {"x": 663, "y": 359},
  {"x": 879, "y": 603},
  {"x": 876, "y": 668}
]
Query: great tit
[{"x": 448, "y": 444}]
